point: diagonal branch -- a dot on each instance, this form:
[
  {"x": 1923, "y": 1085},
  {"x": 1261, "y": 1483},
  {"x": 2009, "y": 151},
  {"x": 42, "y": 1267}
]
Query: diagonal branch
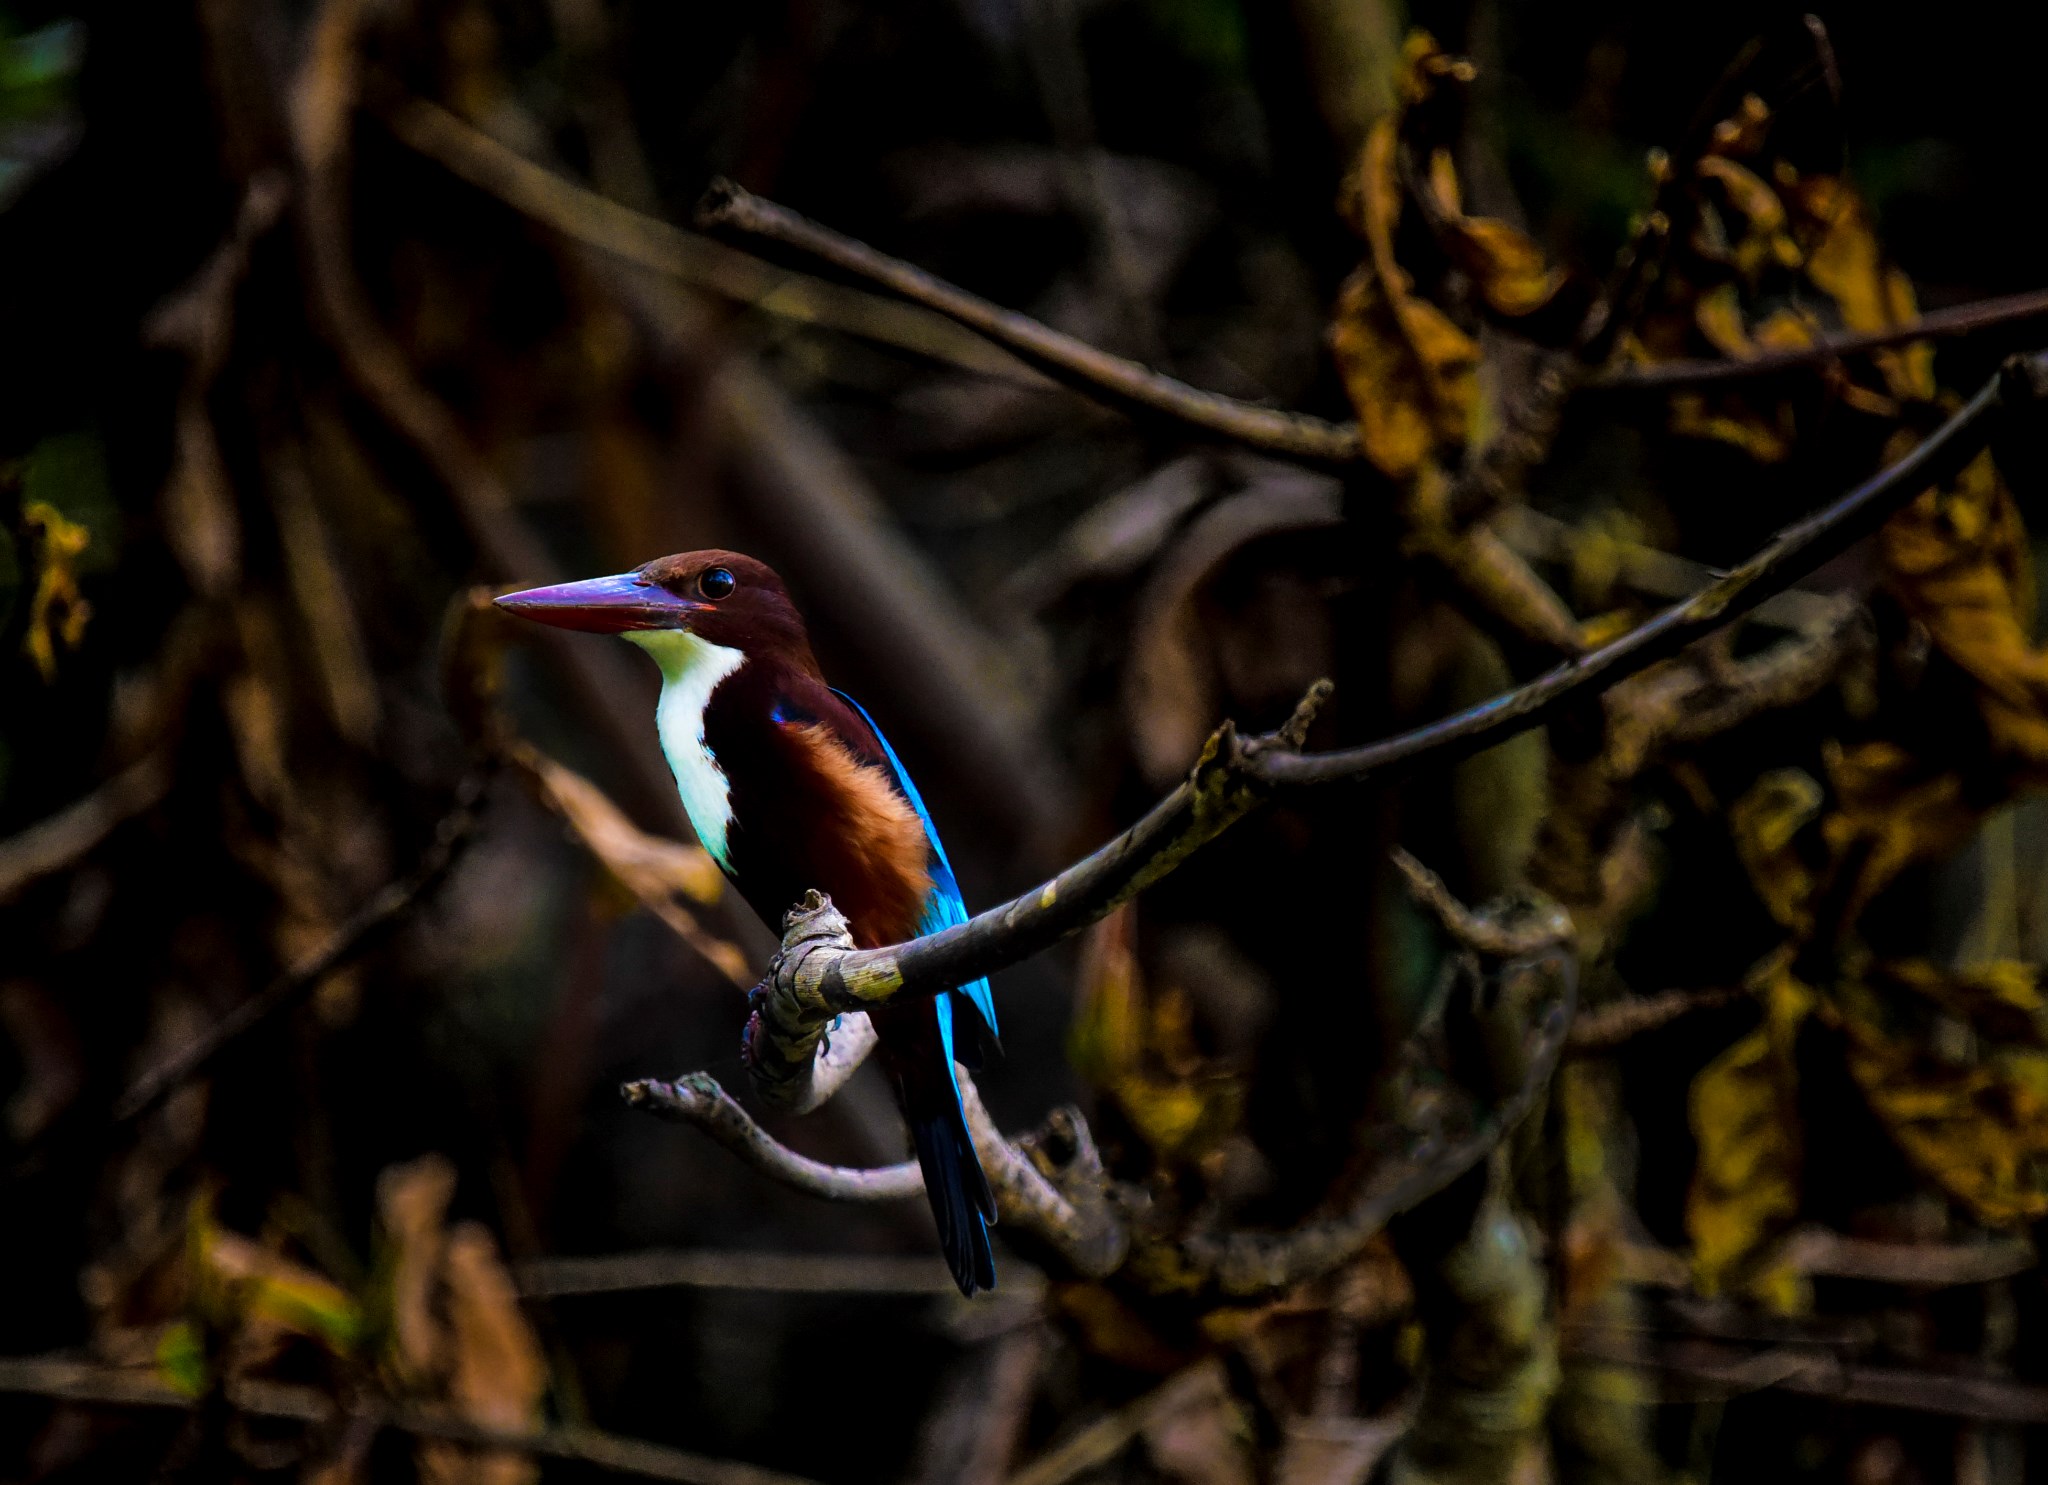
[
  {"x": 1942, "y": 324},
  {"x": 820, "y": 975},
  {"x": 1121, "y": 382},
  {"x": 385, "y": 909},
  {"x": 1795, "y": 552}
]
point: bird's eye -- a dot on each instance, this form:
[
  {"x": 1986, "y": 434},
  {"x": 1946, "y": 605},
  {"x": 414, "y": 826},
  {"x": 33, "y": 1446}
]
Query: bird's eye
[{"x": 716, "y": 583}]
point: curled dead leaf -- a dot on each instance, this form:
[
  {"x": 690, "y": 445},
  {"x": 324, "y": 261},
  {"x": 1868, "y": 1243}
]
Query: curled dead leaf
[
  {"x": 457, "y": 1338},
  {"x": 1744, "y": 1113},
  {"x": 1891, "y": 810},
  {"x": 498, "y": 1376},
  {"x": 1410, "y": 372},
  {"x": 57, "y": 612},
  {"x": 1959, "y": 561},
  {"x": 1137, "y": 1045},
  {"x": 1979, "y": 1132},
  {"x": 663, "y": 875},
  {"x": 1847, "y": 263},
  {"x": 412, "y": 1202},
  {"x": 1765, "y": 823}
]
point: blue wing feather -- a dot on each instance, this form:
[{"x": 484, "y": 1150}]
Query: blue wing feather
[{"x": 944, "y": 907}]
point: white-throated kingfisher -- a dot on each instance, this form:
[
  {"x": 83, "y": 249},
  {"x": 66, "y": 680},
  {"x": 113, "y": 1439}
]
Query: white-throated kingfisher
[{"x": 790, "y": 785}]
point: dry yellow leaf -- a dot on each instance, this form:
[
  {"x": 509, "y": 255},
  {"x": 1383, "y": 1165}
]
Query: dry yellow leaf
[
  {"x": 1505, "y": 263},
  {"x": 1692, "y": 416},
  {"x": 1979, "y": 1132},
  {"x": 1411, "y": 373},
  {"x": 1785, "y": 329},
  {"x": 57, "y": 612},
  {"x": 1415, "y": 386},
  {"x": 1959, "y": 561},
  {"x": 1744, "y": 1114},
  {"x": 1746, "y": 192},
  {"x": 1847, "y": 264},
  {"x": 459, "y": 1341},
  {"x": 2001, "y": 999},
  {"x": 1892, "y": 810},
  {"x": 1719, "y": 316},
  {"x": 1765, "y": 822},
  {"x": 498, "y": 1377},
  {"x": 1139, "y": 1048},
  {"x": 662, "y": 874}
]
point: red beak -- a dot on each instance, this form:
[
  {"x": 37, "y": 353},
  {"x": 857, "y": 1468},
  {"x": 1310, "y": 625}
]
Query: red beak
[{"x": 606, "y": 605}]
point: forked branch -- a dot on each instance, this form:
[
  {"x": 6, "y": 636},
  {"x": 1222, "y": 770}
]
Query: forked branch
[
  {"x": 1072, "y": 1214},
  {"x": 820, "y": 974},
  {"x": 1116, "y": 380}
]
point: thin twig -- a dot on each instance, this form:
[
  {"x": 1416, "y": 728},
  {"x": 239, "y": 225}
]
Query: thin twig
[
  {"x": 1941, "y": 324},
  {"x": 819, "y": 974},
  {"x": 1544, "y": 926},
  {"x": 1084, "y": 1232},
  {"x": 1650, "y": 571},
  {"x": 688, "y": 257},
  {"x": 1727, "y": 1370},
  {"x": 1794, "y": 553},
  {"x": 83, "y": 1382},
  {"x": 767, "y": 1273},
  {"x": 376, "y": 917},
  {"x": 1612, "y": 1027},
  {"x": 697, "y": 1098},
  {"x": 1121, "y": 382},
  {"x": 1824, "y": 1253}
]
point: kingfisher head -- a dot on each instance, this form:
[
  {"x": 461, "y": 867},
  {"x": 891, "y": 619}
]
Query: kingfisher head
[{"x": 725, "y": 599}]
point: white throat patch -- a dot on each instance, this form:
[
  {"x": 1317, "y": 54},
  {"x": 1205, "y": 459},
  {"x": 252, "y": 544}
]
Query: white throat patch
[{"x": 691, "y": 669}]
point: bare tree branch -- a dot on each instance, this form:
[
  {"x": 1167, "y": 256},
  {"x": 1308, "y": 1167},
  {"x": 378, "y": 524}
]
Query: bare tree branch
[
  {"x": 1083, "y": 1230},
  {"x": 1612, "y": 1027},
  {"x": 1116, "y": 380},
  {"x": 688, "y": 257},
  {"x": 83, "y": 1382},
  {"x": 697, "y": 1098},
  {"x": 1101, "y": 1441},
  {"x": 714, "y": 1268},
  {"x": 1796, "y": 551},
  {"x": 1942, "y": 324},
  {"x": 1824, "y": 1253},
  {"x": 1545, "y": 926},
  {"x": 820, "y": 975},
  {"x": 1725, "y": 1370},
  {"x": 364, "y": 927}
]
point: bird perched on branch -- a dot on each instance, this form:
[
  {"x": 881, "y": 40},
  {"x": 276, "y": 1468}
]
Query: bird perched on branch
[{"x": 790, "y": 785}]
